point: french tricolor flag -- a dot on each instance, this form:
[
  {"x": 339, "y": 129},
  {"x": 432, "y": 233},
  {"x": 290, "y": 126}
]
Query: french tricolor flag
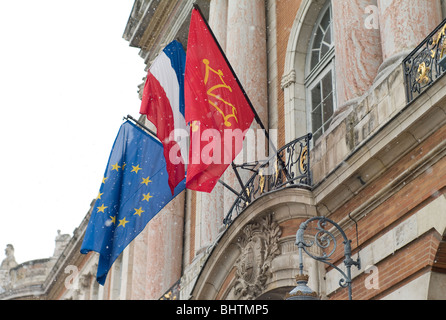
[{"x": 163, "y": 104}]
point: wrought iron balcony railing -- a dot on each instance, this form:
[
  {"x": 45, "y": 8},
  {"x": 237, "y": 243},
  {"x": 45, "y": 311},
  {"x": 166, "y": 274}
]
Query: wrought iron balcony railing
[
  {"x": 426, "y": 63},
  {"x": 290, "y": 166}
]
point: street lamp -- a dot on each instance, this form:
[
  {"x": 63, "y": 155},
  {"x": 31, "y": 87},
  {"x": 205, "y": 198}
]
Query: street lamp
[{"x": 324, "y": 240}]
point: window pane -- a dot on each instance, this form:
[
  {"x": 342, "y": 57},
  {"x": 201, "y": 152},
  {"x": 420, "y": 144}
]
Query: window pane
[
  {"x": 317, "y": 134},
  {"x": 328, "y": 108},
  {"x": 327, "y": 85},
  {"x": 324, "y": 50},
  {"x": 325, "y": 22},
  {"x": 316, "y": 47},
  {"x": 327, "y": 36},
  {"x": 316, "y": 96},
  {"x": 327, "y": 125},
  {"x": 314, "y": 58},
  {"x": 316, "y": 118},
  {"x": 318, "y": 38}
]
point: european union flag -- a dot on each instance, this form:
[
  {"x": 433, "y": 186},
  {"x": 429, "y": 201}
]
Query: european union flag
[{"x": 134, "y": 189}]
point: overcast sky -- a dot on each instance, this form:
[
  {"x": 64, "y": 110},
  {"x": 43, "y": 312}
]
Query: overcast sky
[{"x": 67, "y": 78}]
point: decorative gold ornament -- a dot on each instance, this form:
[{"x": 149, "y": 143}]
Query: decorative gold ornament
[
  {"x": 303, "y": 159},
  {"x": 262, "y": 181},
  {"x": 422, "y": 71}
]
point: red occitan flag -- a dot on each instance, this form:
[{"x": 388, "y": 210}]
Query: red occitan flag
[{"x": 216, "y": 106}]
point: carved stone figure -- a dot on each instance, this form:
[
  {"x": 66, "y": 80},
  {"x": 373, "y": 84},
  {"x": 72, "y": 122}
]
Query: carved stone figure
[
  {"x": 9, "y": 262},
  {"x": 259, "y": 246},
  {"x": 61, "y": 242}
]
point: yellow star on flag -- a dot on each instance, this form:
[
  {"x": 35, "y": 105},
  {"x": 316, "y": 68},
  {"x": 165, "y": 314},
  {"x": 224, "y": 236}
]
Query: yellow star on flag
[
  {"x": 136, "y": 169},
  {"x": 102, "y": 208},
  {"x": 99, "y": 195},
  {"x": 116, "y": 167},
  {"x": 103, "y": 179},
  {"x": 123, "y": 222},
  {"x": 138, "y": 211},
  {"x": 113, "y": 219},
  {"x": 146, "y": 197},
  {"x": 146, "y": 181}
]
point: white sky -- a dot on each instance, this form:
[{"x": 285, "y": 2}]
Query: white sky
[{"x": 67, "y": 78}]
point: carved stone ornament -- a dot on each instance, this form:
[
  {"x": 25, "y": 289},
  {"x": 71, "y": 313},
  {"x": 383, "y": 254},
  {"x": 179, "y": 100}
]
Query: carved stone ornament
[
  {"x": 259, "y": 245},
  {"x": 288, "y": 79}
]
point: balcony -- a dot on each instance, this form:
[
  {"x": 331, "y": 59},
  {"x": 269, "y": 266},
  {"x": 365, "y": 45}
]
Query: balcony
[
  {"x": 289, "y": 167},
  {"x": 426, "y": 63}
]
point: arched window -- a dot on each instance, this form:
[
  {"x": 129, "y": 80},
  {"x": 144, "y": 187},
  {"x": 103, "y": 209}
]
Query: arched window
[{"x": 319, "y": 75}]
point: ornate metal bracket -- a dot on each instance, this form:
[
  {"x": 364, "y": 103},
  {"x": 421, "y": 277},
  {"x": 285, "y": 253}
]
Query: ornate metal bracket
[
  {"x": 325, "y": 240},
  {"x": 290, "y": 166}
]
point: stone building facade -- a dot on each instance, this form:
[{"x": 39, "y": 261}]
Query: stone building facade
[{"x": 338, "y": 70}]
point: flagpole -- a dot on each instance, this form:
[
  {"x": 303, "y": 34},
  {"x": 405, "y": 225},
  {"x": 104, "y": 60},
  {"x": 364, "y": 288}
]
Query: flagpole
[
  {"x": 141, "y": 125},
  {"x": 230, "y": 188},
  {"x": 256, "y": 116}
]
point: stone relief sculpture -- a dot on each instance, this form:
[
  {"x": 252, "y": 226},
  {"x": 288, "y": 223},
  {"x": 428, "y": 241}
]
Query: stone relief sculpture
[{"x": 259, "y": 246}]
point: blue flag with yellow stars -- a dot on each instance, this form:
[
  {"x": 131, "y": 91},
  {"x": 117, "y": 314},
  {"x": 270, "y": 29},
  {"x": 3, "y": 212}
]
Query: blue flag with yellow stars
[{"x": 134, "y": 189}]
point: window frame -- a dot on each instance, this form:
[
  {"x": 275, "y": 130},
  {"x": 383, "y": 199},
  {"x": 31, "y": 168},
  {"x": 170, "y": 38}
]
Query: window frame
[
  {"x": 314, "y": 76},
  {"x": 316, "y": 81}
]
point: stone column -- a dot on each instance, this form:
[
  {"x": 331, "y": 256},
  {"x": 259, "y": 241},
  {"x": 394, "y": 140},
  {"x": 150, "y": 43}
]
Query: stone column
[
  {"x": 164, "y": 248},
  {"x": 137, "y": 266},
  {"x": 246, "y": 51},
  {"x": 218, "y": 20},
  {"x": 404, "y": 24},
  {"x": 210, "y": 206},
  {"x": 358, "y": 49}
]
